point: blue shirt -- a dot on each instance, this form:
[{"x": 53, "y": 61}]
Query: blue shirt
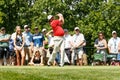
[
  {"x": 28, "y": 38},
  {"x": 38, "y": 40},
  {"x": 11, "y": 45}
]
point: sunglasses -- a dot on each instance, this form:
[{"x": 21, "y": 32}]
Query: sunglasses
[
  {"x": 26, "y": 28},
  {"x": 3, "y": 30},
  {"x": 36, "y": 28}
]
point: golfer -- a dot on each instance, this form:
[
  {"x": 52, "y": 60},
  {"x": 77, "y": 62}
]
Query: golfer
[{"x": 58, "y": 32}]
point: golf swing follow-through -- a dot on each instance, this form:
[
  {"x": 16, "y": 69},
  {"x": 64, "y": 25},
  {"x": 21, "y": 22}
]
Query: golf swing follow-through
[{"x": 56, "y": 25}]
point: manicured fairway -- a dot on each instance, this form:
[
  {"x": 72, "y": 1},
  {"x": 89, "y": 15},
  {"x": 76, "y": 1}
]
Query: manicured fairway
[{"x": 60, "y": 73}]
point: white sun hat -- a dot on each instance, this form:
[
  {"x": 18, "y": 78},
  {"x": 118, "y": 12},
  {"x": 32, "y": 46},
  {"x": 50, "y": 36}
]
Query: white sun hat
[{"x": 49, "y": 17}]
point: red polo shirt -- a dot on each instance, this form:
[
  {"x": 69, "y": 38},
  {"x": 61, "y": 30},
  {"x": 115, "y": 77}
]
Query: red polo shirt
[{"x": 57, "y": 28}]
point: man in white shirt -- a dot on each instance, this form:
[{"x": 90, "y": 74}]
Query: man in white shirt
[
  {"x": 68, "y": 40},
  {"x": 77, "y": 44},
  {"x": 113, "y": 43}
]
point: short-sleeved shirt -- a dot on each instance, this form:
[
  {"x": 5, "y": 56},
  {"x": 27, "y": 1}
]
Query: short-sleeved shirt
[
  {"x": 28, "y": 38},
  {"x": 50, "y": 41},
  {"x": 113, "y": 44},
  {"x": 77, "y": 38},
  {"x": 38, "y": 40},
  {"x": 11, "y": 44},
  {"x": 57, "y": 28},
  {"x": 68, "y": 40},
  {"x": 4, "y": 36}
]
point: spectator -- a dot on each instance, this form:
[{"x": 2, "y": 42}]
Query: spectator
[
  {"x": 4, "y": 46},
  {"x": 101, "y": 46},
  {"x": 58, "y": 38},
  {"x": 44, "y": 31},
  {"x": 50, "y": 37},
  {"x": 28, "y": 42},
  {"x": 11, "y": 49},
  {"x": 77, "y": 44},
  {"x": 113, "y": 43},
  {"x": 19, "y": 42},
  {"x": 68, "y": 40},
  {"x": 38, "y": 45},
  {"x": 85, "y": 62}
]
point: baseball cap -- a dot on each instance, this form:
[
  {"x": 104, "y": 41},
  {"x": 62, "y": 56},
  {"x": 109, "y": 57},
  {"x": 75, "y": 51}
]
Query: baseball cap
[
  {"x": 2, "y": 28},
  {"x": 76, "y": 28},
  {"x": 49, "y": 17},
  {"x": 25, "y": 26},
  {"x": 35, "y": 28},
  {"x": 44, "y": 29},
  {"x": 65, "y": 30},
  {"x": 113, "y": 32}
]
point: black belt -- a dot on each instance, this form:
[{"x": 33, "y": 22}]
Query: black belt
[{"x": 67, "y": 48}]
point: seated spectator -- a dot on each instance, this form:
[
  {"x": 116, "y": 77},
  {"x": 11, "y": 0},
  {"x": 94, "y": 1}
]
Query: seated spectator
[{"x": 101, "y": 46}]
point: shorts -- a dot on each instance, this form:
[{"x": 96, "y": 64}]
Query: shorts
[
  {"x": 79, "y": 52},
  {"x": 18, "y": 48},
  {"x": 28, "y": 51},
  {"x": 12, "y": 53}
]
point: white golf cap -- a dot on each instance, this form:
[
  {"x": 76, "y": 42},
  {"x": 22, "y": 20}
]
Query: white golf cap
[
  {"x": 25, "y": 26},
  {"x": 49, "y": 17},
  {"x": 76, "y": 28},
  {"x": 113, "y": 32},
  {"x": 44, "y": 29}
]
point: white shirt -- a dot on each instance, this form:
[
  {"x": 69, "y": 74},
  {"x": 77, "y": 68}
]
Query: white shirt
[
  {"x": 68, "y": 40},
  {"x": 13, "y": 36},
  {"x": 113, "y": 44},
  {"x": 50, "y": 41},
  {"x": 78, "y": 38}
]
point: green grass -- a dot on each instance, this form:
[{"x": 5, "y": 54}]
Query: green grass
[{"x": 60, "y": 73}]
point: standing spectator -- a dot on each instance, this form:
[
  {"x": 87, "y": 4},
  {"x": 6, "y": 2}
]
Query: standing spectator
[
  {"x": 38, "y": 45},
  {"x": 19, "y": 46},
  {"x": 4, "y": 45},
  {"x": 28, "y": 42},
  {"x": 50, "y": 37},
  {"x": 77, "y": 44},
  {"x": 113, "y": 43},
  {"x": 58, "y": 38},
  {"x": 11, "y": 49},
  {"x": 85, "y": 62},
  {"x": 68, "y": 40},
  {"x": 101, "y": 46},
  {"x": 44, "y": 32}
]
